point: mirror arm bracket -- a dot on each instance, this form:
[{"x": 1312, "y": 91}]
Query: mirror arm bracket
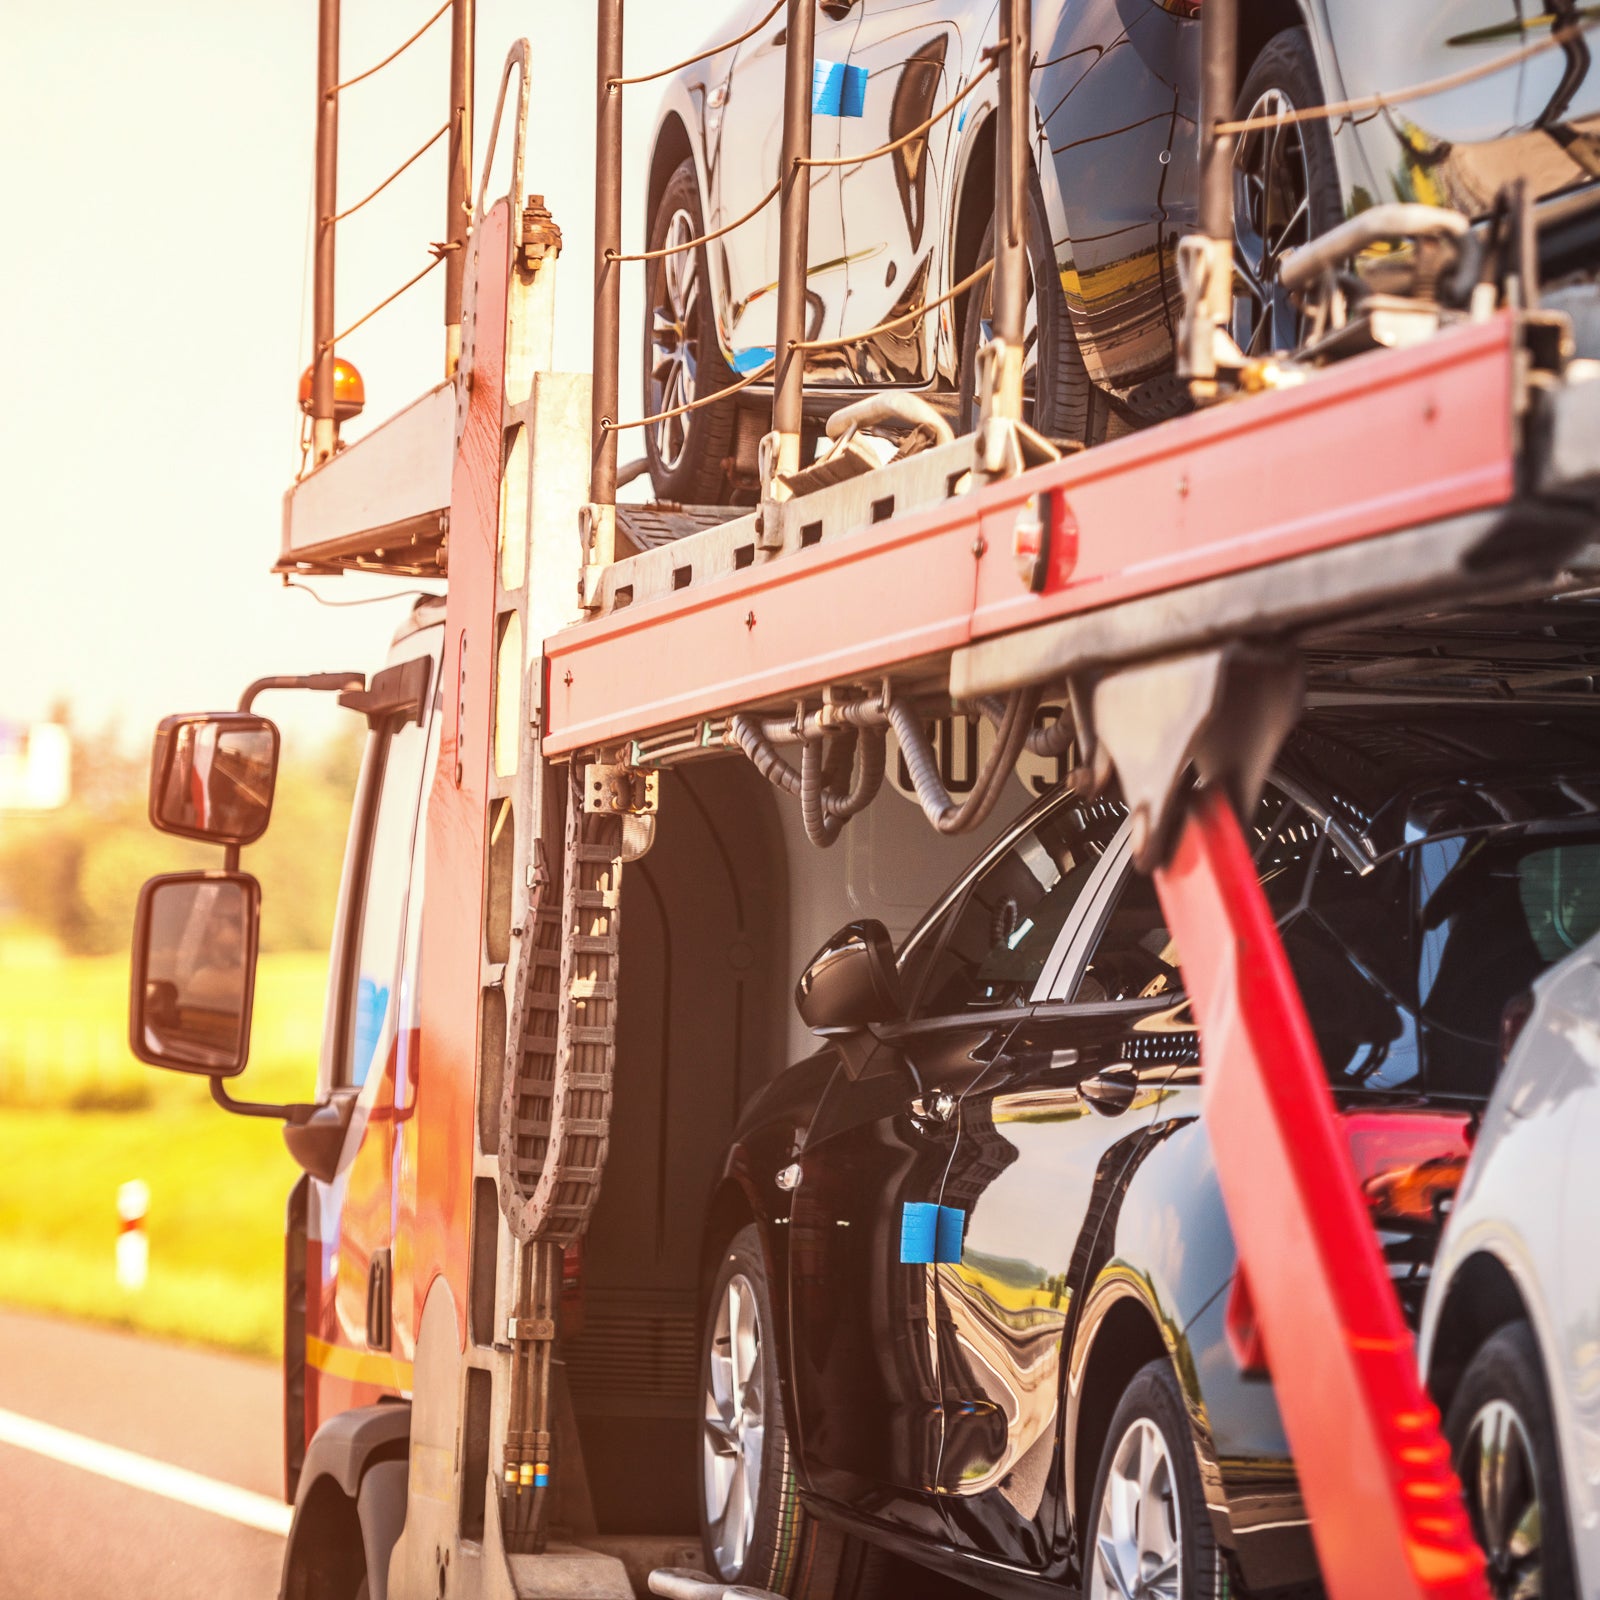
[
  {"x": 326, "y": 682},
  {"x": 257, "y": 1108}
]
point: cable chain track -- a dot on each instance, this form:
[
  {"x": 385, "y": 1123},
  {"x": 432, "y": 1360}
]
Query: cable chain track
[{"x": 562, "y": 1052}]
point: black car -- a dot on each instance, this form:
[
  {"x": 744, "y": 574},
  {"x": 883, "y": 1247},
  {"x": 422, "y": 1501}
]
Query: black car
[
  {"x": 968, "y": 1273},
  {"x": 1115, "y": 100}
]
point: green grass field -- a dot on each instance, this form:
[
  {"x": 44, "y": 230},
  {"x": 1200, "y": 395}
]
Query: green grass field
[{"x": 79, "y": 1116}]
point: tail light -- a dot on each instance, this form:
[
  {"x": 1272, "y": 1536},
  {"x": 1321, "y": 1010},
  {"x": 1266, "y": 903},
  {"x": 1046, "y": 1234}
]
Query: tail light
[{"x": 1409, "y": 1164}]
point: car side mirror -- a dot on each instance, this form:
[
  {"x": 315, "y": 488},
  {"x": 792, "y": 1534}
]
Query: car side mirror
[
  {"x": 194, "y": 971},
  {"x": 851, "y": 981},
  {"x": 212, "y": 775}
]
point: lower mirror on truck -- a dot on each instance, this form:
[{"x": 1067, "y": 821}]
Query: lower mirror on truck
[{"x": 194, "y": 962}]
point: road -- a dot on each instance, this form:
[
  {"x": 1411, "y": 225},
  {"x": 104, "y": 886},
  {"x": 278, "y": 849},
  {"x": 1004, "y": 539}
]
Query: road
[{"x": 79, "y": 1527}]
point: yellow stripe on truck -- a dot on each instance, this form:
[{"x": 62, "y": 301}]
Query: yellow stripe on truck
[{"x": 358, "y": 1366}]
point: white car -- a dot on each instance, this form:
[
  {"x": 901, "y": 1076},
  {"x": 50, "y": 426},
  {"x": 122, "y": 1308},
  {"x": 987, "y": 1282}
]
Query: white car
[{"x": 1510, "y": 1340}]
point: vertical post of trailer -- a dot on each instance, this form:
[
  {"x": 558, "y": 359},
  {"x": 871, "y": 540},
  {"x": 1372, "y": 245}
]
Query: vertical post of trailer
[
  {"x": 602, "y": 516},
  {"x": 1205, "y": 260},
  {"x": 1010, "y": 286},
  {"x": 323, "y": 428},
  {"x": 458, "y": 190},
  {"x": 794, "y": 220}
]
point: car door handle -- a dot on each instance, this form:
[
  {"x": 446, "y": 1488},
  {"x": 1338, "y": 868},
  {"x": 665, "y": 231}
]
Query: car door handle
[
  {"x": 1111, "y": 1090},
  {"x": 836, "y": 8}
]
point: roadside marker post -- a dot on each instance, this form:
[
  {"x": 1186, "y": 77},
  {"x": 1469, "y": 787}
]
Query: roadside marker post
[{"x": 133, "y": 1244}]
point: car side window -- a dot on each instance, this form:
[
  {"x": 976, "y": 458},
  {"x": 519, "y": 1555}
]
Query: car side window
[
  {"x": 1134, "y": 957},
  {"x": 991, "y": 948}
]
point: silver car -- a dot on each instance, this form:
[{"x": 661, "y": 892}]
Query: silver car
[
  {"x": 1115, "y": 93},
  {"x": 1510, "y": 1340}
]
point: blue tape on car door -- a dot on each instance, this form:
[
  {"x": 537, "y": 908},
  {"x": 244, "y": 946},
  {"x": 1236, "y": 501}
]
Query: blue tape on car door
[
  {"x": 947, "y": 1235},
  {"x": 930, "y": 1234},
  {"x": 752, "y": 360},
  {"x": 838, "y": 90}
]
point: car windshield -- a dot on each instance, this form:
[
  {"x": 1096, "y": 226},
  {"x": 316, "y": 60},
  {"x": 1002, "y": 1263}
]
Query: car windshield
[{"x": 1407, "y": 969}]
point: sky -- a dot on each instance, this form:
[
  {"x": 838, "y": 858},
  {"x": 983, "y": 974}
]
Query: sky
[{"x": 156, "y": 167}]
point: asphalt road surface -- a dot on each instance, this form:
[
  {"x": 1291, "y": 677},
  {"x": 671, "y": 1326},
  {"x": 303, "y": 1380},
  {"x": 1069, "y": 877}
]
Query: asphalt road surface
[{"x": 81, "y": 1521}]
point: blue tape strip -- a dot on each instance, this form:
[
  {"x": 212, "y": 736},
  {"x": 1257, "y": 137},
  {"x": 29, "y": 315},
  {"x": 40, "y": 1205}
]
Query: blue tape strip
[
  {"x": 838, "y": 90},
  {"x": 745, "y": 362},
  {"x": 947, "y": 1243},
  {"x": 919, "y": 1225},
  {"x": 541, "y": 1480}
]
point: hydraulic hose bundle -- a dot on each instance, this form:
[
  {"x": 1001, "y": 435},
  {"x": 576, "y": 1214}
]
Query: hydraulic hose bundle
[{"x": 844, "y": 751}]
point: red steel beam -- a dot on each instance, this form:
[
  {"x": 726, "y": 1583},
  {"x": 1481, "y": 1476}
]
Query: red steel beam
[
  {"x": 1385, "y": 442},
  {"x": 1385, "y": 1506}
]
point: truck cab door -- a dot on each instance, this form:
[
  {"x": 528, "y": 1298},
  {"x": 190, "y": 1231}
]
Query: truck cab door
[
  {"x": 869, "y": 1223},
  {"x": 359, "y": 1340}
]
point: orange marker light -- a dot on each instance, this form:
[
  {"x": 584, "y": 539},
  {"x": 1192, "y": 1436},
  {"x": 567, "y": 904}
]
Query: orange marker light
[{"x": 349, "y": 392}]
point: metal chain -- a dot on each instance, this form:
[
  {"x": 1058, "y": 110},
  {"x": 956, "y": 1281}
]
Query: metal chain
[
  {"x": 361, "y": 77},
  {"x": 704, "y": 55},
  {"x": 705, "y": 238},
  {"x": 1420, "y": 91},
  {"x": 905, "y": 138},
  {"x": 348, "y": 211}
]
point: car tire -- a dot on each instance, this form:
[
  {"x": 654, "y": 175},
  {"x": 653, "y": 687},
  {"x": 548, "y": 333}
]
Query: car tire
[
  {"x": 1150, "y": 1449},
  {"x": 783, "y": 1548},
  {"x": 1503, "y": 1443},
  {"x": 688, "y": 454},
  {"x": 1059, "y": 399},
  {"x": 1267, "y": 162}
]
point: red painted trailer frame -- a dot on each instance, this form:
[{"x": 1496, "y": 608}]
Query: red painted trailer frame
[{"x": 1390, "y": 459}]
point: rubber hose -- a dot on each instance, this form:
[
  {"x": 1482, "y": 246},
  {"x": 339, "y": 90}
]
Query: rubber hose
[
  {"x": 937, "y": 805},
  {"x": 1052, "y": 740},
  {"x": 767, "y": 761},
  {"x": 821, "y": 829},
  {"x": 871, "y": 760}
]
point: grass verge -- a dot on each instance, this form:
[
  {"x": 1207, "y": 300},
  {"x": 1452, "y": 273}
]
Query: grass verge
[{"x": 77, "y": 1119}]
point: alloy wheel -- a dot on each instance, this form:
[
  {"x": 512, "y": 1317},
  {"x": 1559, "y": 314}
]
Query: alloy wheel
[
  {"x": 1271, "y": 215},
  {"x": 674, "y": 342},
  {"x": 1138, "y": 1544},
  {"x": 735, "y": 1426},
  {"x": 1495, "y": 1464}
]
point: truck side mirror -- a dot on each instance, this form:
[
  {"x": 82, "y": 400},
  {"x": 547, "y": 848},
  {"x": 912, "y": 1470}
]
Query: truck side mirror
[
  {"x": 194, "y": 971},
  {"x": 851, "y": 981},
  {"x": 212, "y": 776}
]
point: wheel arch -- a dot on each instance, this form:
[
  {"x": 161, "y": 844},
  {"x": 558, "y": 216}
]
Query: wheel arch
[
  {"x": 672, "y": 148},
  {"x": 1482, "y": 1298},
  {"x": 1120, "y": 1334},
  {"x": 1262, "y": 22},
  {"x": 350, "y": 1505},
  {"x": 974, "y": 205}
]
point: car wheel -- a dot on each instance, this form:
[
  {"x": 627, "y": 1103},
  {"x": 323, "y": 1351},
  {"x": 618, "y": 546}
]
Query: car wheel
[
  {"x": 1058, "y": 398},
  {"x": 1148, "y": 1532},
  {"x": 754, "y": 1529},
  {"x": 1503, "y": 1441},
  {"x": 682, "y": 360},
  {"x": 1285, "y": 190}
]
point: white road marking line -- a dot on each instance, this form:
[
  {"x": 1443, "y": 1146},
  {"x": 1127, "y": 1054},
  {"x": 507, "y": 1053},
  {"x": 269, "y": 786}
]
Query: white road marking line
[{"x": 142, "y": 1472}]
